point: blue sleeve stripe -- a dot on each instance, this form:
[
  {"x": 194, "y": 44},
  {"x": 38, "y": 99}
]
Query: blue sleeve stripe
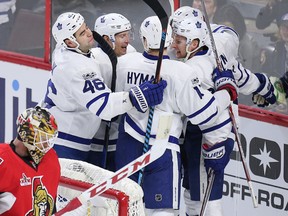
[
  {"x": 74, "y": 138},
  {"x": 203, "y": 109},
  {"x": 102, "y": 141},
  {"x": 242, "y": 73},
  {"x": 208, "y": 119},
  {"x": 106, "y": 96},
  {"x": 136, "y": 128},
  {"x": 225, "y": 28},
  {"x": 216, "y": 127}
]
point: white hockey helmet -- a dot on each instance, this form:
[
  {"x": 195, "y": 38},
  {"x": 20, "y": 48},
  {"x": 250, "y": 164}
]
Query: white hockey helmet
[
  {"x": 111, "y": 24},
  {"x": 191, "y": 29},
  {"x": 37, "y": 129},
  {"x": 185, "y": 12},
  {"x": 151, "y": 30},
  {"x": 65, "y": 27}
]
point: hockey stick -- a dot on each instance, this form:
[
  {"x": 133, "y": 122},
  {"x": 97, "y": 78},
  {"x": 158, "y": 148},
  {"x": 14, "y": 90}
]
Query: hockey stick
[
  {"x": 171, "y": 2},
  {"x": 156, "y": 151},
  {"x": 160, "y": 12},
  {"x": 238, "y": 141},
  {"x": 113, "y": 58},
  {"x": 211, "y": 177}
]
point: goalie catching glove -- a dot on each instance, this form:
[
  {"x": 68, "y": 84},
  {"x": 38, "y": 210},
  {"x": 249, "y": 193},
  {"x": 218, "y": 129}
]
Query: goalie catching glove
[
  {"x": 264, "y": 95},
  {"x": 225, "y": 80},
  {"x": 147, "y": 94},
  {"x": 217, "y": 156}
]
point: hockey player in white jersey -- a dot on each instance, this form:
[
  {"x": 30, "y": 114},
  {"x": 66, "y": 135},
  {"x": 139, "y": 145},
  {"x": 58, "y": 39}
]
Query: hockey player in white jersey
[
  {"x": 192, "y": 44},
  {"x": 76, "y": 93},
  {"x": 116, "y": 30},
  {"x": 182, "y": 97}
]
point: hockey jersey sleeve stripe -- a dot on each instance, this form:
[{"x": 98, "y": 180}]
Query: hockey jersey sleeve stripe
[
  {"x": 135, "y": 127},
  {"x": 216, "y": 127},
  {"x": 239, "y": 80},
  {"x": 193, "y": 115},
  {"x": 102, "y": 141},
  {"x": 73, "y": 138},
  {"x": 246, "y": 80},
  {"x": 106, "y": 97},
  {"x": 208, "y": 119},
  {"x": 222, "y": 29}
]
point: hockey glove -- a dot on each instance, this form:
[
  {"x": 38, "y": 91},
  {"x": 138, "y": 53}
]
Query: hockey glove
[
  {"x": 218, "y": 155},
  {"x": 147, "y": 94},
  {"x": 225, "y": 80},
  {"x": 264, "y": 95}
]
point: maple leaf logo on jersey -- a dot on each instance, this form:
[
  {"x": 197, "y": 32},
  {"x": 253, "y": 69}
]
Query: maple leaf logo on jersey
[{"x": 24, "y": 181}]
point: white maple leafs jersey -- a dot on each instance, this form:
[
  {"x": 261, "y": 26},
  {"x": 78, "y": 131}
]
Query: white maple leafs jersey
[
  {"x": 183, "y": 95},
  {"x": 106, "y": 68},
  {"x": 227, "y": 42},
  {"x": 79, "y": 99}
]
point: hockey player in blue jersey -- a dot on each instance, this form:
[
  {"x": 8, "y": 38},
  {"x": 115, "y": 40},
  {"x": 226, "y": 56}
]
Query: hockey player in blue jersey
[
  {"x": 192, "y": 45},
  {"x": 183, "y": 97},
  {"x": 76, "y": 93}
]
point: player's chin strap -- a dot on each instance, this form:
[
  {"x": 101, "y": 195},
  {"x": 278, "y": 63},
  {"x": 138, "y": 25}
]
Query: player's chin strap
[
  {"x": 76, "y": 48},
  {"x": 79, "y": 51},
  {"x": 189, "y": 53}
]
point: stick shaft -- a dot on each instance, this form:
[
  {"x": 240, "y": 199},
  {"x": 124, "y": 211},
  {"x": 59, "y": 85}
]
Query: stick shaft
[{"x": 238, "y": 141}]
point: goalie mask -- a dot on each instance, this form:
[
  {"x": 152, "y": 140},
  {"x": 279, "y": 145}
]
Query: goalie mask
[
  {"x": 66, "y": 26},
  {"x": 111, "y": 24},
  {"x": 151, "y": 33},
  {"x": 37, "y": 129}
]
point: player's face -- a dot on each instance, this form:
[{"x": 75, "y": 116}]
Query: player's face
[
  {"x": 209, "y": 5},
  {"x": 121, "y": 42},
  {"x": 85, "y": 38},
  {"x": 179, "y": 44}
]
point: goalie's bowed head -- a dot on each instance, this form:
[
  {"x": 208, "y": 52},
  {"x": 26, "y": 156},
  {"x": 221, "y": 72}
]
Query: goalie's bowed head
[{"x": 37, "y": 129}]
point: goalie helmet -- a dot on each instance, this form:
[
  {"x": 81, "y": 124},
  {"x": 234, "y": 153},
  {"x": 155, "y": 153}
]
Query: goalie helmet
[
  {"x": 37, "y": 129},
  {"x": 185, "y": 12},
  {"x": 66, "y": 26},
  {"x": 151, "y": 30},
  {"x": 111, "y": 24}
]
